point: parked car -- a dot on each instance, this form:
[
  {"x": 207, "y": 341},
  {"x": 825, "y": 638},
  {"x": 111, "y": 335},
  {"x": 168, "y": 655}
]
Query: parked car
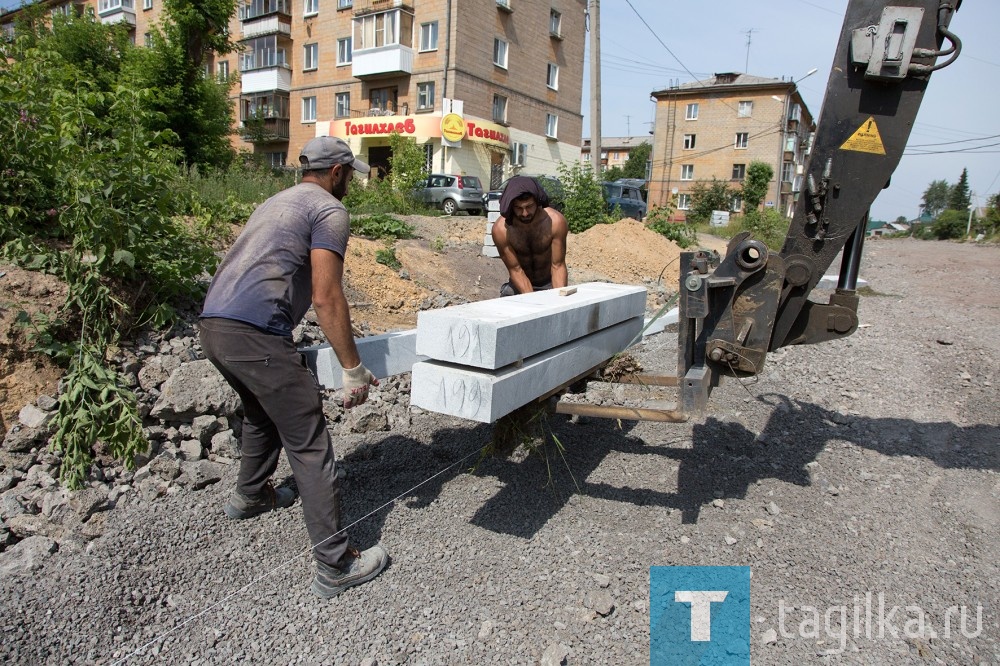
[
  {"x": 452, "y": 193},
  {"x": 625, "y": 196},
  {"x": 552, "y": 186}
]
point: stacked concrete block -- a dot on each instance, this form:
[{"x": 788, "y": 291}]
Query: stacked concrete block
[
  {"x": 494, "y": 333},
  {"x": 491, "y": 357},
  {"x": 485, "y": 396},
  {"x": 384, "y": 355},
  {"x": 492, "y": 215}
]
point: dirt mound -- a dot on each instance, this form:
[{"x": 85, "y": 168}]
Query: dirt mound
[
  {"x": 23, "y": 375},
  {"x": 627, "y": 252}
]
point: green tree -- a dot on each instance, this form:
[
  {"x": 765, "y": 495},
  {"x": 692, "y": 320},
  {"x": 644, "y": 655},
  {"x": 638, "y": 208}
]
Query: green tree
[
  {"x": 583, "y": 198},
  {"x": 936, "y": 197},
  {"x": 407, "y": 166},
  {"x": 991, "y": 222},
  {"x": 196, "y": 107},
  {"x": 755, "y": 186},
  {"x": 708, "y": 197},
  {"x": 635, "y": 165},
  {"x": 613, "y": 174},
  {"x": 901, "y": 219},
  {"x": 960, "y": 197}
]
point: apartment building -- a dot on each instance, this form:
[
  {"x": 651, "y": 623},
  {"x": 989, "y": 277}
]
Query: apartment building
[
  {"x": 614, "y": 150},
  {"x": 485, "y": 87},
  {"x": 718, "y": 126}
]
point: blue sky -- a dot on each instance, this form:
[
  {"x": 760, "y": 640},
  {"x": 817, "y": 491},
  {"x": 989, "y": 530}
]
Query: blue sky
[{"x": 789, "y": 38}]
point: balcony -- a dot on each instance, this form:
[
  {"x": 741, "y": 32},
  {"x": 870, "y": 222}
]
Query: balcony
[
  {"x": 260, "y": 8},
  {"x": 383, "y": 60},
  {"x": 363, "y": 7},
  {"x": 264, "y": 130},
  {"x": 278, "y": 77},
  {"x": 270, "y": 25},
  {"x": 116, "y": 11},
  {"x": 382, "y": 109}
]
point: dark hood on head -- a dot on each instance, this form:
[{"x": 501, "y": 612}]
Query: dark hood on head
[{"x": 518, "y": 186}]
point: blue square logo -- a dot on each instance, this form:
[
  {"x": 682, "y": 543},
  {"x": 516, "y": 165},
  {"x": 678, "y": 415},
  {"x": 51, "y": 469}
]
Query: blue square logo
[{"x": 699, "y": 616}]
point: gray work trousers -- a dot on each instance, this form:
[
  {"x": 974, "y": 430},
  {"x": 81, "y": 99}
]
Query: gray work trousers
[{"x": 282, "y": 407}]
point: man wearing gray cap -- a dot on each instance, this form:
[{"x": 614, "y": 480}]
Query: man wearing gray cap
[{"x": 289, "y": 256}]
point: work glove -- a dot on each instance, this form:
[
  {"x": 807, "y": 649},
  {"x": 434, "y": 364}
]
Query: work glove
[{"x": 356, "y": 382}]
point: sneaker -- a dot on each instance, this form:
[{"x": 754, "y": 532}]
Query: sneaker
[
  {"x": 356, "y": 567},
  {"x": 242, "y": 506}
]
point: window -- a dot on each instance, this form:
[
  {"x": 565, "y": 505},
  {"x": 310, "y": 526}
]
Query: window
[
  {"x": 222, "y": 70},
  {"x": 344, "y": 51},
  {"x": 790, "y": 143},
  {"x": 425, "y": 95},
  {"x": 147, "y": 40},
  {"x": 500, "y": 53},
  {"x": 691, "y": 113},
  {"x": 345, "y": 4},
  {"x": 262, "y": 52},
  {"x": 310, "y": 55},
  {"x": 108, "y": 5},
  {"x": 552, "y": 80},
  {"x": 276, "y": 159},
  {"x": 555, "y": 23},
  {"x": 310, "y": 7},
  {"x": 429, "y": 36},
  {"x": 343, "y": 104},
  {"x": 308, "y": 109},
  {"x": 787, "y": 172},
  {"x": 689, "y": 141},
  {"x": 687, "y": 172},
  {"x": 683, "y": 201},
  {"x": 499, "y": 109},
  {"x": 737, "y": 203},
  {"x": 795, "y": 113},
  {"x": 742, "y": 138},
  {"x": 551, "y": 125},
  {"x": 383, "y": 29},
  {"x": 739, "y": 171},
  {"x": 147, "y": 4},
  {"x": 745, "y": 109},
  {"x": 586, "y": 157}
]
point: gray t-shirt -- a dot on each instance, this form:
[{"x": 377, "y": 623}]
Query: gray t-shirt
[{"x": 266, "y": 278}]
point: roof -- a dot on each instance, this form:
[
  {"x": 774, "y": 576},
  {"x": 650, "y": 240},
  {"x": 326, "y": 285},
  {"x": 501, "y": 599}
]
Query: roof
[
  {"x": 723, "y": 81},
  {"x": 617, "y": 142}
]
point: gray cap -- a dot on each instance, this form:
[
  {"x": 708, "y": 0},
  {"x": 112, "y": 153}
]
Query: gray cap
[{"x": 325, "y": 152}]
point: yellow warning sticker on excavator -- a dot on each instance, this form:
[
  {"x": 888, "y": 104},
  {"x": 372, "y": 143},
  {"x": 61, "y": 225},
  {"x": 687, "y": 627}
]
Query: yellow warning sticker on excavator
[{"x": 866, "y": 139}]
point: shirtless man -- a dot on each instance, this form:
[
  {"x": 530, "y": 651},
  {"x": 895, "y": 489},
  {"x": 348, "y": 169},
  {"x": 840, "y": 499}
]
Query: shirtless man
[{"x": 531, "y": 239}]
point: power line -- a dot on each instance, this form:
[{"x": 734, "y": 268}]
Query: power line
[
  {"x": 948, "y": 143},
  {"x": 974, "y": 150}
]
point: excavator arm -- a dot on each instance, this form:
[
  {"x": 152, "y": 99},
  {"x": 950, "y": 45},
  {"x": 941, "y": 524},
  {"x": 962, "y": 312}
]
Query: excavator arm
[{"x": 733, "y": 309}]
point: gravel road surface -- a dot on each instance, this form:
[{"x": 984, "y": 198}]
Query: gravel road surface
[{"x": 852, "y": 473}]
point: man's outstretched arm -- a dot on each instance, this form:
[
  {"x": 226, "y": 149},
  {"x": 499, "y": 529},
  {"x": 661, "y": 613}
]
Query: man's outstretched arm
[{"x": 560, "y": 231}]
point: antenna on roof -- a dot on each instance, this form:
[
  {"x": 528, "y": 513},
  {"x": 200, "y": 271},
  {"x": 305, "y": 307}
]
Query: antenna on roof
[{"x": 746, "y": 65}]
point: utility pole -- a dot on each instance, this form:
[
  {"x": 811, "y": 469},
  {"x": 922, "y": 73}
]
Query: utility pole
[{"x": 595, "y": 86}]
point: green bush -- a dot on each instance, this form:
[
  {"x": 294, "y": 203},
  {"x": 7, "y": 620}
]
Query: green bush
[
  {"x": 768, "y": 226},
  {"x": 950, "y": 224},
  {"x": 93, "y": 195},
  {"x": 381, "y": 225},
  {"x": 658, "y": 220},
  {"x": 583, "y": 198},
  {"x": 387, "y": 257}
]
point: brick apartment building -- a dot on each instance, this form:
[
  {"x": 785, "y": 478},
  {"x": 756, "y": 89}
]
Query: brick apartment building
[
  {"x": 716, "y": 127},
  {"x": 512, "y": 71}
]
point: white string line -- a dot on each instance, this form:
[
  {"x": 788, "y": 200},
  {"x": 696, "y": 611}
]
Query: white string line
[{"x": 287, "y": 562}]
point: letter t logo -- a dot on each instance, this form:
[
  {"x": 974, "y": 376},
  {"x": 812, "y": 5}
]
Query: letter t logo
[{"x": 701, "y": 610}]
